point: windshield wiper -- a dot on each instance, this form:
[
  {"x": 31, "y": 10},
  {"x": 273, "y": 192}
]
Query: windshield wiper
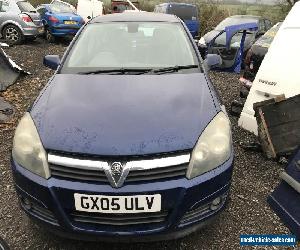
[
  {"x": 174, "y": 68},
  {"x": 120, "y": 71}
]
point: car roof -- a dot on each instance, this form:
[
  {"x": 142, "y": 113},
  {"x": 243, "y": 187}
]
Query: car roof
[{"x": 140, "y": 16}]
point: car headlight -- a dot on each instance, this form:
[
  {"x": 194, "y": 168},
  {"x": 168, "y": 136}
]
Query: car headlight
[
  {"x": 28, "y": 150},
  {"x": 213, "y": 147},
  {"x": 202, "y": 42}
]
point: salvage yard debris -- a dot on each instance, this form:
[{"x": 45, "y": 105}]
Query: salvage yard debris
[
  {"x": 278, "y": 125},
  {"x": 279, "y": 72},
  {"x": 9, "y": 71},
  {"x": 285, "y": 200}
]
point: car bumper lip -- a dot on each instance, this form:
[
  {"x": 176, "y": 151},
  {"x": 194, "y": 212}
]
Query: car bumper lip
[{"x": 178, "y": 197}]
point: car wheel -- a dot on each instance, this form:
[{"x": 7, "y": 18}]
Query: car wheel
[
  {"x": 12, "y": 34},
  {"x": 49, "y": 37},
  {"x": 3, "y": 245}
]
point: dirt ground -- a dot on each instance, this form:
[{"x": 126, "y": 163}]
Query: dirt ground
[{"x": 253, "y": 180}]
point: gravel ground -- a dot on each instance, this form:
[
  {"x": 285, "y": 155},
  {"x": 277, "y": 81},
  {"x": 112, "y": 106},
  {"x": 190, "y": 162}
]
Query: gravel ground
[{"x": 253, "y": 180}]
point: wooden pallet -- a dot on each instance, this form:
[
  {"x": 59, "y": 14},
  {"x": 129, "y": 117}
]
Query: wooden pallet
[{"x": 278, "y": 122}]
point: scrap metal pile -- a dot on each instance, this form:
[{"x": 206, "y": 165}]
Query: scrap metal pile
[{"x": 9, "y": 74}]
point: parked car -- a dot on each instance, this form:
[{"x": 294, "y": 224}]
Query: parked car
[
  {"x": 59, "y": 21},
  {"x": 19, "y": 20},
  {"x": 262, "y": 23},
  {"x": 123, "y": 143},
  {"x": 187, "y": 12},
  {"x": 87, "y": 9},
  {"x": 256, "y": 55}
]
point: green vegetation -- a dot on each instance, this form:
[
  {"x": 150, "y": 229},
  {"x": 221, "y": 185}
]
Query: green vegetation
[{"x": 212, "y": 12}]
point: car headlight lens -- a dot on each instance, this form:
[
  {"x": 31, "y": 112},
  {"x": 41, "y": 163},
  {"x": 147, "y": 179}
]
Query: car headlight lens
[
  {"x": 213, "y": 147},
  {"x": 28, "y": 150},
  {"x": 202, "y": 42}
]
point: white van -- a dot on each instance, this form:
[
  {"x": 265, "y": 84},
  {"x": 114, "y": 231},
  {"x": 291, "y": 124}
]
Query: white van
[
  {"x": 279, "y": 72},
  {"x": 88, "y": 9}
]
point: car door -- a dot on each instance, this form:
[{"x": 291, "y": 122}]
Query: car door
[{"x": 232, "y": 51}]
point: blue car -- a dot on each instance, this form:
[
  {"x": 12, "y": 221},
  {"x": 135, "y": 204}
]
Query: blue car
[
  {"x": 187, "y": 12},
  {"x": 128, "y": 141},
  {"x": 59, "y": 21}
]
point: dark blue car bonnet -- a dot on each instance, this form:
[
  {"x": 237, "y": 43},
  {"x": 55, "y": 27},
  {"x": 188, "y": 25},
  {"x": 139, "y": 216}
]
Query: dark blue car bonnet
[{"x": 123, "y": 114}]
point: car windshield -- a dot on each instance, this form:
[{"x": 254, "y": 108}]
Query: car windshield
[
  {"x": 60, "y": 8},
  {"x": 234, "y": 21},
  {"x": 184, "y": 12},
  {"x": 130, "y": 45},
  {"x": 25, "y": 7},
  {"x": 267, "y": 39}
]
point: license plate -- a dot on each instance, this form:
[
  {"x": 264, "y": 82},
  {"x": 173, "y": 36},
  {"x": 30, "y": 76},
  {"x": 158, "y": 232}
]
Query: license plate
[
  {"x": 118, "y": 204},
  {"x": 70, "y": 22}
]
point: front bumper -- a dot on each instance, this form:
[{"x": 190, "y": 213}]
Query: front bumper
[
  {"x": 186, "y": 203},
  {"x": 62, "y": 30}
]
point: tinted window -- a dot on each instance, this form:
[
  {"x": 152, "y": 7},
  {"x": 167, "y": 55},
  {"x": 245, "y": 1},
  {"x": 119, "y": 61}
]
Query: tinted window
[
  {"x": 234, "y": 21},
  {"x": 26, "y": 7},
  {"x": 130, "y": 45},
  {"x": 184, "y": 12}
]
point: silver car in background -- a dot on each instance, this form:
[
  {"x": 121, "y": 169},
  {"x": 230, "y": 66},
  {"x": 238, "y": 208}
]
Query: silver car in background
[{"x": 19, "y": 20}]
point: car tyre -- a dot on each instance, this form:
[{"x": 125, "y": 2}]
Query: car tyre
[
  {"x": 12, "y": 34},
  {"x": 49, "y": 37},
  {"x": 3, "y": 245}
]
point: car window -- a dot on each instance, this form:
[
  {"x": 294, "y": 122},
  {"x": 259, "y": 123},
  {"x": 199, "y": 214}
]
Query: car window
[
  {"x": 184, "y": 12},
  {"x": 131, "y": 45},
  {"x": 220, "y": 41},
  {"x": 262, "y": 27},
  {"x": 234, "y": 21},
  {"x": 41, "y": 10},
  {"x": 60, "y": 8},
  {"x": 268, "y": 24},
  {"x": 4, "y": 6},
  {"x": 25, "y": 6}
]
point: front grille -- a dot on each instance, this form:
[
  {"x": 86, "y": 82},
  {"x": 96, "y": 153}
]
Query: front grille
[
  {"x": 70, "y": 167},
  {"x": 172, "y": 172},
  {"x": 77, "y": 174},
  {"x": 119, "y": 220},
  {"x": 38, "y": 211}
]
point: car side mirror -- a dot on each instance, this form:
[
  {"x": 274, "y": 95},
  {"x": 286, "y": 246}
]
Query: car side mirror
[
  {"x": 51, "y": 61},
  {"x": 212, "y": 61}
]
